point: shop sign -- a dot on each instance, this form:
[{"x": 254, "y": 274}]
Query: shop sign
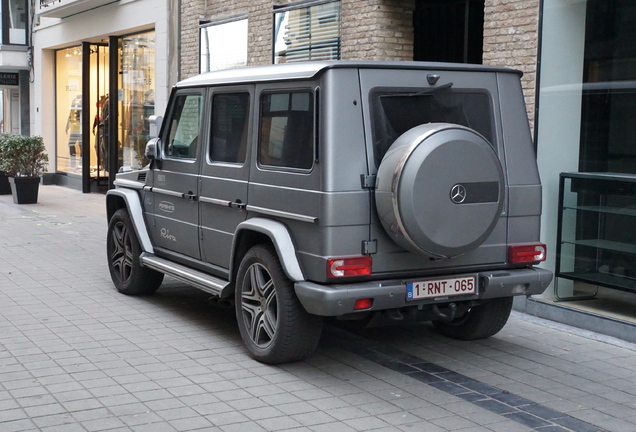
[{"x": 9, "y": 79}]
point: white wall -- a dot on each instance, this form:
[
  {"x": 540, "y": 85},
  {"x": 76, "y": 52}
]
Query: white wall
[{"x": 559, "y": 120}]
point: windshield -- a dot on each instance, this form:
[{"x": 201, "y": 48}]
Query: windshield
[{"x": 395, "y": 111}]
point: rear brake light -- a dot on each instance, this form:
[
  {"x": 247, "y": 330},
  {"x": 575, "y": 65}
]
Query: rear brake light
[
  {"x": 347, "y": 267},
  {"x": 526, "y": 253}
]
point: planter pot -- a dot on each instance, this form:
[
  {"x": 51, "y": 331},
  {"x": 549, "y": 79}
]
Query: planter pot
[
  {"x": 5, "y": 187},
  {"x": 25, "y": 189}
]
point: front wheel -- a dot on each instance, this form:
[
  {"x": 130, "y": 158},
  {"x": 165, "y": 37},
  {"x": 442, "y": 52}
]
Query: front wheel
[
  {"x": 273, "y": 324},
  {"x": 123, "y": 250},
  {"x": 480, "y": 322}
]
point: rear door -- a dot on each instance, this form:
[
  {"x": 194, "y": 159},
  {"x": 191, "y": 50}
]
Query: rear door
[
  {"x": 176, "y": 176},
  {"x": 398, "y": 101},
  {"x": 225, "y": 172}
]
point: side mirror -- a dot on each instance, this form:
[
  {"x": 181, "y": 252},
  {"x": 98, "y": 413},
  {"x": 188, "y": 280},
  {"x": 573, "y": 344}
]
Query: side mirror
[
  {"x": 154, "y": 125},
  {"x": 152, "y": 149}
]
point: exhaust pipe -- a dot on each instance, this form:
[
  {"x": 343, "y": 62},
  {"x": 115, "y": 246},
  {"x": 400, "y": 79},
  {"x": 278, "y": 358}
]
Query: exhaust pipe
[{"x": 221, "y": 302}]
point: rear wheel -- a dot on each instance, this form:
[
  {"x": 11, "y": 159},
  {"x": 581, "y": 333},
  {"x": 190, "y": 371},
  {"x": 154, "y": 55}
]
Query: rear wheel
[
  {"x": 480, "y": 322},
  {"x": 274, "y": 325},
  {"x": 123, "y": 250}
]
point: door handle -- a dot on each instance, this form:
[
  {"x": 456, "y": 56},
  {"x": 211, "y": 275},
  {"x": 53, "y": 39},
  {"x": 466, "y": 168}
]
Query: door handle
[
  {"x": 238, "y": 205},
  {"x": 190, "y": 196}
]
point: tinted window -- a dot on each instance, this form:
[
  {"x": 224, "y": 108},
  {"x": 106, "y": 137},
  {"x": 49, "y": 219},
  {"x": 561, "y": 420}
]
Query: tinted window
[
  {"x": 396, "y": 112},
  {"x": 230, "y": 114},
  {"x": 287, "y": 130},
  {"x": 185, "y": 123}
]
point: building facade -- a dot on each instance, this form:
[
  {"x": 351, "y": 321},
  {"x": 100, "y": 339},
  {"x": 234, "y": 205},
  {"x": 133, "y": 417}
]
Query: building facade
[
  {"x": 15, "y": 67},
  {"x": 102, "y": 68}
]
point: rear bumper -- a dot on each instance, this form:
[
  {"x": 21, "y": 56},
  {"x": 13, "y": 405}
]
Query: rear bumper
[{"x": 336, "y": 300}]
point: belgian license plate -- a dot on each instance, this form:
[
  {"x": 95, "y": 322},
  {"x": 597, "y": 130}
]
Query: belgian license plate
[{"x": 443, "y": 287}]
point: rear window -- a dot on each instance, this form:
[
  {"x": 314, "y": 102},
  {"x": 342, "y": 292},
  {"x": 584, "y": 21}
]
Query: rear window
[{"x": 395, "y": 111}]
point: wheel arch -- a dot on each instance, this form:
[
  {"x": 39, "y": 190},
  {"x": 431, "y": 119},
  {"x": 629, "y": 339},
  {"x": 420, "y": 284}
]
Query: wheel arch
[
  {"x": 260, "y": 230},
  {"x": 129, "y": 199}
]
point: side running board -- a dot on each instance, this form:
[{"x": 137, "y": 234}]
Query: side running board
[{"x": 198, "y": 279}]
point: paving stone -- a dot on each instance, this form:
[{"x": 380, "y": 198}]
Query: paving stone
[{"x": 172, "y": 362}]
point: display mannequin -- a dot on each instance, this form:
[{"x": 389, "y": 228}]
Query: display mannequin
[
  {"x": 74, "y": 125},
  {"x": 101, "y": 124}
]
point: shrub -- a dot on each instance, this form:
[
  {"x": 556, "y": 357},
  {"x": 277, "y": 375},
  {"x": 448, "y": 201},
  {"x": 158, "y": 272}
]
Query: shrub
[{"x": 22, "y": 156}]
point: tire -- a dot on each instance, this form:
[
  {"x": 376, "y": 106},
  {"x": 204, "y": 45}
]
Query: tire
[
  {"x": 274, "y": 326},
  {"x": 480, "y": 322},
  {"x": 434, "y": 179},
  {"x": 123, "y": 251}
]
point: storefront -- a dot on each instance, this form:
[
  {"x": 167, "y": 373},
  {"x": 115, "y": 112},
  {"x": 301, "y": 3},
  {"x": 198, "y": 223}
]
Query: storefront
[
  {"x": 10, "y": 103},
  {"x": 586, "y": 106},
  {"x": 104, "y": 86},
  {"x": 85, "y": 149}
]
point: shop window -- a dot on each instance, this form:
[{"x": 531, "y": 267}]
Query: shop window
[
  {"x": 229, "y": 127},
  {"x": 307, "y": 33},
  {"x": 69, "y": 110},
  {"x": 137, "y": 97},
  {"x": 608, "y": 98},
  {"x": 287, "y": 130},
  {"x": 14, "y": 21},
  {"x": 223, "y": 45}
]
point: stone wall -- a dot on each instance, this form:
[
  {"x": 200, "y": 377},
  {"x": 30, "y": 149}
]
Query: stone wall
[
  {"x": 511, "y": 29},
  {"x": 377, "y": 29}
]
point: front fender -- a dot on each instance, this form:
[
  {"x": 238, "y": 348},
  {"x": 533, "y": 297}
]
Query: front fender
[
  {"x": 282, "y": 241},
  {"x": 128, "y": 198}
]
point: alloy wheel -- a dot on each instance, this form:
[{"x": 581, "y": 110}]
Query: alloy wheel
[
  {"x": 122, "y": 256},
  {"x": 259, "y": 305}
]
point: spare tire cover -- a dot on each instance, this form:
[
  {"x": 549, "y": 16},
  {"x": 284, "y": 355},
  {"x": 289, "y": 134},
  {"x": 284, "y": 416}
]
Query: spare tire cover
[{"x": 440, "y": 190}]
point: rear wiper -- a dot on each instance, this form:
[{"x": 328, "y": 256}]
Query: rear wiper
[{"x": 423, "y": 92}]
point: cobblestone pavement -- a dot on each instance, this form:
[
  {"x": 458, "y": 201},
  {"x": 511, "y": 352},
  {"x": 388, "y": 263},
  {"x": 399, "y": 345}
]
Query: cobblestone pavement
[{"x": 77, "y": 356}]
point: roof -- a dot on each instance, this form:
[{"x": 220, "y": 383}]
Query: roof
[{"x": 306, "y": 70}]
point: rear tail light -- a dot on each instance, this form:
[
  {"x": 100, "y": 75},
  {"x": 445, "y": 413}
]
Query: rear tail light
[
  {"x": 526, "y": 253},
  {"x": 348, "y": 267}
]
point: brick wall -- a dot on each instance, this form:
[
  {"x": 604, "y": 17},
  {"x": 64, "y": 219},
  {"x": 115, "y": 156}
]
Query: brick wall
[
  {"x": 377, "y": 29},
  {"x": 371, "y": 29},
  {"x": 511, "y": 39}
]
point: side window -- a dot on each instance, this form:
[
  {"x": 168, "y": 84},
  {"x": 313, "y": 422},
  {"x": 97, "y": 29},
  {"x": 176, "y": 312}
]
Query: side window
[
  {"x": 230, "y": 113},
  {"x": 185, "y": 122},
  {"x": 287, "y": 130}
]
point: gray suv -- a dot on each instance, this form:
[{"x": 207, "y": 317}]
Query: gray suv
[{"x": 385, "y": 192}]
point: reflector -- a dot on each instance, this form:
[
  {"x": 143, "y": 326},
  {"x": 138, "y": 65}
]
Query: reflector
[{"x": 364, "y": 303}]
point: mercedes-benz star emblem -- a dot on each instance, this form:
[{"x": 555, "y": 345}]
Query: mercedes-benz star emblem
[{"x": 458, "y": 194}]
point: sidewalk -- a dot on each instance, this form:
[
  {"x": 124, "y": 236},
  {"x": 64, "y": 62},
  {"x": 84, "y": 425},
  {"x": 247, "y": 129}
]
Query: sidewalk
[{"x": 75, "y": 355}]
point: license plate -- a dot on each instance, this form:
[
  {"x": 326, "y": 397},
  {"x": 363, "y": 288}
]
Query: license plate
[{"x": 443, "y": 287}]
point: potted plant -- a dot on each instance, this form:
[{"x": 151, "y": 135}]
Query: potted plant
[{"x": 24, "y": 161}]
